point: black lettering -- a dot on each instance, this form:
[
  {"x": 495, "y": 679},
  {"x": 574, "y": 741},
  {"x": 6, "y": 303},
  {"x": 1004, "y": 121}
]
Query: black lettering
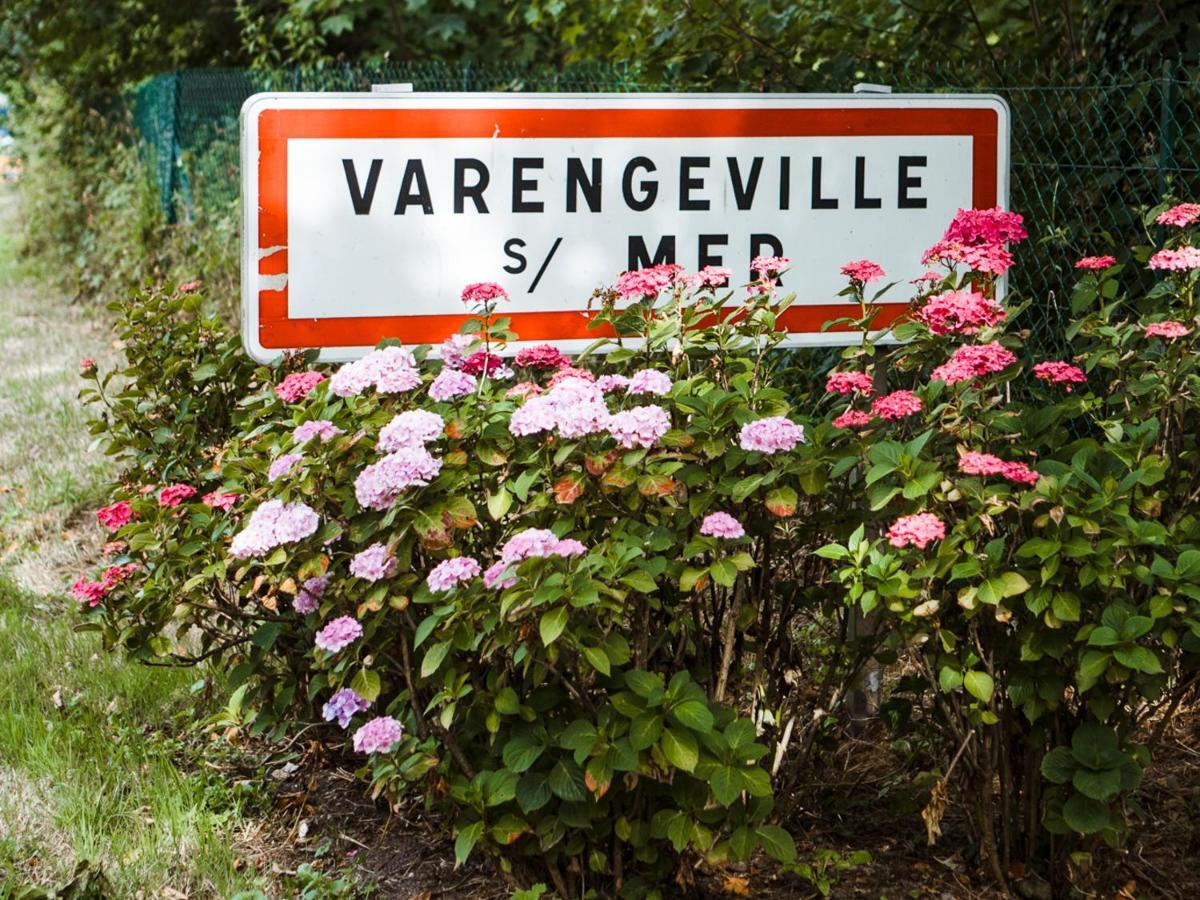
[
  {"x": 773, "y": 246},
  {"x": 414, "y": 173},
  {"x": 519, "y": 262},
  {"x": 819, "y": 202},
  {"x": 649, "y": 189},
  {"x": 639, "y": 256},
  {"x": 785, "y": 182},
  {"x": 462, "y": 190},
  {"x": 361, "y": 199},
  {"x": 521, "y": 184},
  {"x": 578, "y": 182},
  {"x": 687, "y": 183},
  {"x": 906, "y": 181},
  {"x": 861, "y": 200},
  {"x": 743, "y": 192},
  {"x": 707, "y": 242}
]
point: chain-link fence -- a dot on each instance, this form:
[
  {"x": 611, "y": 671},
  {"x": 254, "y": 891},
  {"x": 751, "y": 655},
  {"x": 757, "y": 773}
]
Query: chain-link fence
[{"x": 1089, "y": 147}]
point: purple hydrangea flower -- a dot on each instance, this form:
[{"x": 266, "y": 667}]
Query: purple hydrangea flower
[
  {"x": 642, "y": 426},
  {"x": 374, "y": 563},
  {"x": 321, "y": 428},
  {"x": 379, "y": 484},
  {"x": 308, "y": 598},
  {"x": 492, "y": 577},
  {"x": 771, "y": 435},
  {"x": 342, "y": 706},
  {"x": 272, "y": 524},
  {"x": 338, "y": 633},
  {"x": 283, "y": 465},
  {"x": 721, "y": 525},
  {"x": 452, "y": 383},
  {"x": 450, "y": 573},
  {"x": 413, "y": 428},
  {"x": 380, "y": 735},
  {"x": 649, "y": 381}
]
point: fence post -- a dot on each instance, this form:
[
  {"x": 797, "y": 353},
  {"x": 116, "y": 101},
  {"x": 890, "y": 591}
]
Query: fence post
[
  {"x": 1166, "y": 127},
  {"x": 171, "y": 145}
]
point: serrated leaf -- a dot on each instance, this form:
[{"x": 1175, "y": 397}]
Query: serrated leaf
[
  {"x": 979, "y": 685},
  {"x": 778, "y": 843},
  {"x": 694, "y": 714},
  {"x": 552, "y": 624},
  {"x": 465, "y": 842},
  {"x": 1084, "y": 815},
  {"x": 433, "y": 659},
  {"x": 680, "y": 749},
  {"x": 726, "y": 784}
]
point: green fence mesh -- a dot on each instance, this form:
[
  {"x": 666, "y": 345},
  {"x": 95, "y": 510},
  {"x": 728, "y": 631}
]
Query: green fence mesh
[{"x": 1089, "y": 147}]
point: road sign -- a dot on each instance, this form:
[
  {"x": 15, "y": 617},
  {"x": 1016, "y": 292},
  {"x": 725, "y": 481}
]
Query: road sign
[{"x": 366, "y": 214}]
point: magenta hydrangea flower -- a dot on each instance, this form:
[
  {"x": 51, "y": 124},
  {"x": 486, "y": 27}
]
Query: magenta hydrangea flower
[
  {"x": 844, "y": 383},
  {"x": 451, "y": 383},
  {"x": 492, "y": 577},
  {"x": 1096, "y": 262},
  {"x": 481, "y": 363},
  {"x": 338, "y": 633},
  {"x": 642, "y": 426},
  {"x": 976, "y": 238},
  {"x": 1060, "y": 373},
  {"x": 896, "y": 405},
  {"x": 450, "y": 573},
  {"x": 852, "y": 418},
  {"x": 1168, "y": 330},
  {"x": 297, "y": 386},
  {"x": 863, "y": 271},
  {"x": 973, "y": 463},
  {"x": 960, "y": 312},
  {"x": 1180, "y": 216},
  {"x": 770, "y": 435},
  {"x": 722, "y": 525},
  {"x": 373, "y": 564},
  {"x": 649, "y": 381},
  {"x": 919, "y": 531},
  {"x": 645, "y": 283},
  {"x": 88, "y": 593},
  {"x": 971, "y": 361},
  {"x": 282, "y": 466},
  {"x": 379, "y": 484},
  {"x": 1176, "y": 260},
  {"x": 272, "y": 524},
  {"x": 115, "y": 516},
  {"x": 318, "y": 428},
  {"x": 308, "y": 598},
  {"x": 342, "y": 706},
  {"x": 380, "y": 735},
  {"x": 541, "y": 356},
  {"x": 413, "y": 428},
  {"x": 483, "y": 292},
  {"x": 174, "y": 494}
]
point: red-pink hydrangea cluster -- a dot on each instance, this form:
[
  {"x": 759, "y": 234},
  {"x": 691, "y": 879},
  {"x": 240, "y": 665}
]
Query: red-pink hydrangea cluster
[
  {"x": 709, "y": 277},
  {"x": 973, "y": 463},
  {"x": 486, "y": 293},
  {"x": 896, "y": 405},
  {"x": 1063, "y": 373},
  {"x": 297, "y": 386},
  {"x": 769, "y": 266},
  {"x": 960, "y": 312},
  {"x": 1180, "y": 216},
  {"x": 646, "y": 283},
  {"x": 1183, "y": 259},
  {"x": 771, "y": 435},
  {"x": 845, "y": 383},
  {"x": 971, "y": 361},
  {"x": 223, "y": 500},
  {"x": 116, "y": 515},
  {"x": 87, "y": 366},
  {"x": 482, "y": 363},
  {"x": 541, "y": 356},
  {"x": 174, "y": 494},
  {"x": 918, "y": 530},
  {"x": 1096, "y": 262},
  {"x": 90, "y": 593},
  {"x": 852, "y": 418},
  {"x": 863, "y": 271},
  {"x": 977, "y": 238},
  {"x": 1169, "y": 330}
]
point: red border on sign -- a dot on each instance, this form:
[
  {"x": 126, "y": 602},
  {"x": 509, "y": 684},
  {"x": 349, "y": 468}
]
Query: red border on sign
[{"x": 277, "y": 126}]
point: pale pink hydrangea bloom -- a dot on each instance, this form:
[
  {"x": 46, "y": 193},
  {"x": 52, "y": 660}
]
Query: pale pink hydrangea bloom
[
  {"x": 1168, "y": 330},
  {"x": 453, "y": 349},
  {"x": 342, "y": 706},
  {"x": 272, "y": 524},
  {"x": 220, "y": 500},
  {"x": 709, "y": 277},
  {"x": 373, "y": 564},
  {"x": 450, "y": 573},
  {"x": 483, "y": 292},
  {"x": 642, "y": 426},
  {"x": 573, "y": 406},
  {"x": 1060, "y": 373},
  {"x": 960, "y": 312},
  {"x": 338, "y": 633},
  {"x": 844, "y": 383},
  {"x": 413, "y": 428},
  {"x": 569, "y": 547},
  {"x": 897, "y": 405},
  {"x": 852, "y": 418},
  {"x": 722, "y": 525},
  {"x": 521, "y": 390},
  {"x": 322, "y": 428},
  {"x": 532, "y": 542},
  {"x": 492, "y": 576},
  {"x": 770, "y": 435},
  {"x": 379, "y": 484},
  {"x": 115, "y": 516},
  {"x": 769, "y": 266},
  {"x": 569, "y": 372},
  {"x": 918, "y": 531},
  {"x": 174, "y": 494},
  {"x": 1176, "y": 260},
  {"x": 1096, "y": 262},
  {"x": 649, "y": 381},
  {"x": 390, "y": 370},
  {"x": 863, "y": 271},
  {"x": 972, "y": 361},
  {"x": 610, "y": 383},
  {"x": 1180, "y": 216},
  {"x": 452, "y": 383},
  {"x": 308, "y": 598},
  {"x": 650, "y": 282},
  {"x": 282, "y": 466},
  {"x": 380, "y": 735},
  {"x": 297, "y": 386}
]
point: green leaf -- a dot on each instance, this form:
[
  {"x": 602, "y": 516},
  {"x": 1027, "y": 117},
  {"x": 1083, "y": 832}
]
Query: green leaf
[
  {"x": 979, "y": 685},
  {"x": 1085, "y": 815},
  {"x": 598, "y": 658},
  {"x": 465, "y": 842},
  {"x": 566, "y": 783},
  {"x": 1102, "y": 785},
  {"x": 552, "y": 624},
  {"x": 1065, "y": 607},
  {"x": 723, "y": 572},
  {"x": 694, "y": 714},
  {"x": 366, "y": 684},
  {"x": 1058, "y": 766},
  {"x": 433, "y": 659},
  {"x": 680, "y": 749},
  {"x": 424, "y": 629},
  {"x": 266, "y": 634},
  {"x": 499, "y": 787},
  {"x": 499, "y": 503},
  {"x": 643, "y": 683},
  {"x": 739, "y": 733},
  {"x": 522, "y": 751},
  {"x": 645, "y": 731},
  {"x": 507, "y": 703},
  {"x": 726, "y": 784},
  {"x": 778, "y": 843},
  {"x": 1138, "y": 658}
]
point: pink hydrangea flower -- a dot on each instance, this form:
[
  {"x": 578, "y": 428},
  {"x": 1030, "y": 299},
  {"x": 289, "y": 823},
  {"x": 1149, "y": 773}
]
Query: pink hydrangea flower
[
  {"x": 343, "y": 706},
  {"x": 174, "y": 494},
  {"x": 569, "y": 547},
  {"x": 844, "y": 383},
  {"x": 541, "y": 356},
  {"x": 223, "y": 500},
  {"x": 115, "y": 516},
  {"x": 770, "y": 435},
  {"x": 413, "y": 428},
  {"x": 709, "y": 277},
  {"x": 1096, "y": 262},
  {"x": 769, "y": 266},
  {"x": 483, "y": 292},
  {"x": 452, "y": 383},
  {"x": 1060, "y": 373},
  {"x": 649, "y": 381},
  {"x": 390, "y": 370},
  {"x": 1020, "y": 473},
  {"x": 918, "y": 531},
  {"x": 297, "y": 386},
  {"x": 450, "y": 573},
  {"x": 453, "y": 348},
  {"x": 863, "y": 271},
  {"x": 642, "y": 426},
  {"x": 610, "y": 383},
  {"x": 976, "y": 238},
  {"x": 645, "y": 283},
  {"x": 493, "y": 577},
  {"x": 113, "y": 548},
  {"x": 1169, "y": 330},
  {"x": 282, "y": 466},
  {"x": 926, "y": 278},
  {"x": 527, "y": 544},
  {"x": 992, "y": 259},
  {"x": 972, "y": 361},
  {"x": 568, "y": 373},
  {"x": 722, "y": 525},
  {"x": 380, "y": 735},
  {"x": 1176, "y": 260},
  {"x": 481, "y": 363},
  {"x": 308, "y": 598},
  {"x": 190, "y": 287},
  {"x": 373, "y": 564},
  {"x": 87, "y": 366},
  {"x": 88, "y": 593},
  {"x": 852, "y": 418},
  {"x": 973, "y": 463},
  {"x": 338, "y": 633},
  {"x": 521, "y": 390},
  {"x": 897, "y": 405},
  {"x": 959, "y": 312},
  {"x": 573, "y": 406},
  {"x": 322, "y": 428},
  {"x": 272, "y": 524},
  {"x": 1181, "y": 216}
]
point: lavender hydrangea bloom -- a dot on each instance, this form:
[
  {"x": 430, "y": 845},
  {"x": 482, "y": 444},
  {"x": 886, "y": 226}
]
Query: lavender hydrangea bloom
[
  {"x": 452, "y": 383},
  {"x": 379, "y": 735},
  {"x": 374, "y": 563},
  {"x": 322, "y": 428},
  {"x": 283, "y": 465},
  {"x": 770, "y": 435},
  {"x": 454, "y": 348},
  {"x": 342, "y": 706},
  {"x": 492, "y": 577},
  {"x": 649, "y": 381},
  {"x": 308, "y": 598},
  {"x": 413, "y": 428},
  {"x": 574, "y": 406},
  {"x": 450, "y": 573},
  {"x": 338, "y": 633},
  {"x": 390, "y": 370},
  {"x": 379, "y": 484},
  {"x": 568, "y": 547},
  {"x": 609, "y": 383},
  {"x": 532, "y": 542},
  {"x": 721, "y": 525},
  {"x": 272, "y": 524},
  {"x": 642, "y": 426}
]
